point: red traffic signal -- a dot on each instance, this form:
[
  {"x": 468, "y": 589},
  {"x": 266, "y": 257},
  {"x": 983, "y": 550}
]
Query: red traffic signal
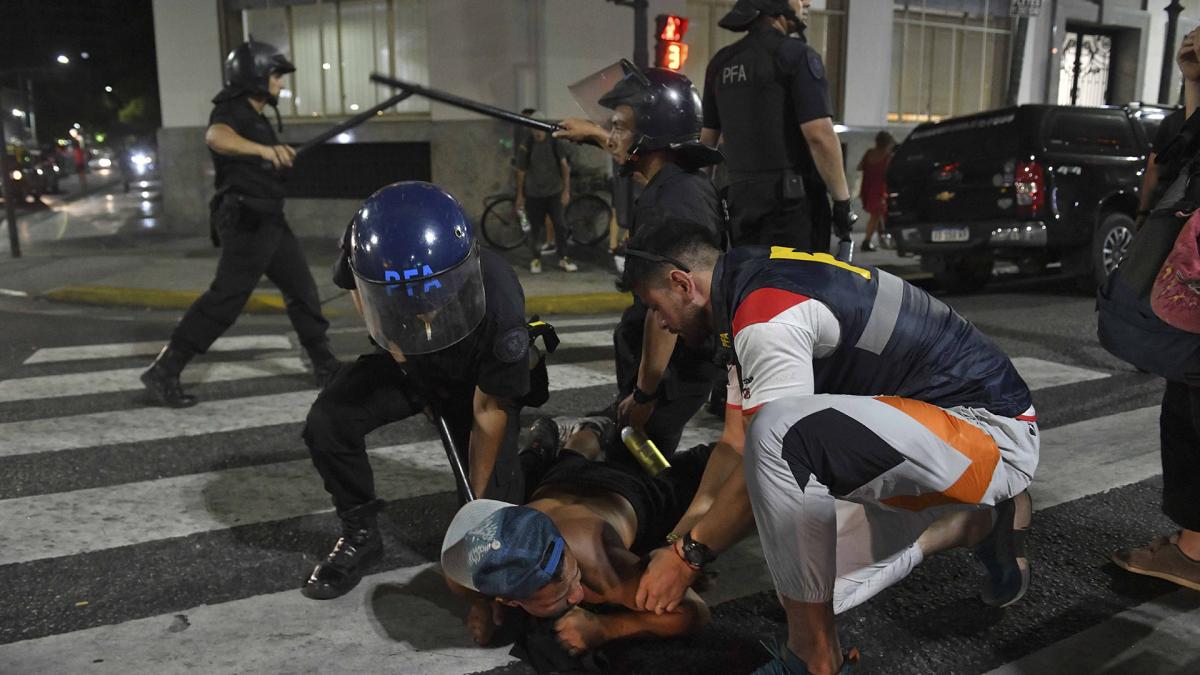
[
  {"x": 670, "y": 28},
  {"x": 672, "y": 51},
  {"x": 671, "y": 55}
]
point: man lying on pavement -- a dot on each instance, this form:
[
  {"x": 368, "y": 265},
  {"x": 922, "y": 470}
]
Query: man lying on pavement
[{"x": 577, "y": 541}]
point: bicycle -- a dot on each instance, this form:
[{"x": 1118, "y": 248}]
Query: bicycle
[{"x": 587, "y": 217}]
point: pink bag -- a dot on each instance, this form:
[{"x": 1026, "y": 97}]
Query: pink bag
[{"x": 1176, "y": 294}]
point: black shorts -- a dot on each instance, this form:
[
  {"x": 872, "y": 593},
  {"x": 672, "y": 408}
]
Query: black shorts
[{"x": 658, "y": 503}]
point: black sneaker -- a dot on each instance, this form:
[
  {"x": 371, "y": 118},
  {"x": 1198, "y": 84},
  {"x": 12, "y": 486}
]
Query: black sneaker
[
  {"x": 343, "y": 568},
  {"x": 544, "y": 438}
]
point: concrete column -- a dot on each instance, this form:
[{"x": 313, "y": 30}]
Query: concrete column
[
  {"x": 868, "y": 63},
  {"x": 187, "y": 33}
]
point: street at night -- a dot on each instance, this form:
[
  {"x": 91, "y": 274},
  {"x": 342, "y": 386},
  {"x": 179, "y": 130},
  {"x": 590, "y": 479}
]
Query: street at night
[{"x": 246, "y": 239}]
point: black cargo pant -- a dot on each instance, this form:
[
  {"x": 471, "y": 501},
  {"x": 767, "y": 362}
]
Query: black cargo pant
[
  {"x": 685, "y": 385},
  {"x": 760, "y": 214},
  {"x": 1179, "y": 429},
  {"x": 253, "y": 244},
  {"x": 374, "y": 391},
  {"x": 536, "y": 209}
]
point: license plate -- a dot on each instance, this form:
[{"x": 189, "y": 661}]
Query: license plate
[{"x": 948, "y": 234}]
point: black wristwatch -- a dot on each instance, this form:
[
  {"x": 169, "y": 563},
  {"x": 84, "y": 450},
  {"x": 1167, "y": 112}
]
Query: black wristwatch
[
  {"x": 696, "y": 554},
  {"x": 641, "y": 398}
]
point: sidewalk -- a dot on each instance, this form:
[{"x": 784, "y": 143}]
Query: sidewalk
[{"x": 107, "y": 248}]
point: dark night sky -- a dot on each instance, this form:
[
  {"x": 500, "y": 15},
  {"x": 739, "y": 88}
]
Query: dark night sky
[{"x": 118, "y": 36}]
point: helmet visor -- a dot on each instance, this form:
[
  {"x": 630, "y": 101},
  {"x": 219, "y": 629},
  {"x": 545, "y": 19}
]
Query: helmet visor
[
  {"x": 420, "y": 315},
  {"x": 589, "y": 91}
]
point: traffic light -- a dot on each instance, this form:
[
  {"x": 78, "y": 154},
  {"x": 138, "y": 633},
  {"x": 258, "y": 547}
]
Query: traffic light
[{"x": 671, "y": 51}]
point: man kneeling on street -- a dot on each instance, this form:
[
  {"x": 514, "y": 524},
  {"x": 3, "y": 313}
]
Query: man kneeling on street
[
  {"x": 856, "y": 387},
  {"x": 576, "y": 541}
]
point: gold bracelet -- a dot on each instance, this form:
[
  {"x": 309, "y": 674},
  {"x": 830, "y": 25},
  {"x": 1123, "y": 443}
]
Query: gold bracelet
[{"x": 672, "y": 538}]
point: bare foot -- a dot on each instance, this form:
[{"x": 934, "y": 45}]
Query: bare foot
[
  {"x": 482, "y": 619},
  {"x": 579, "y": 631}
]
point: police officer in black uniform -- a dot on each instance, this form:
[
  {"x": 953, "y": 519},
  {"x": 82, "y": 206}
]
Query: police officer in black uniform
[
  {"x": 653, "y": 129},
  {"x": 443, "y": 345},
  {"x": 767, "y": 100},
  {"x": 248, "y": 222}
]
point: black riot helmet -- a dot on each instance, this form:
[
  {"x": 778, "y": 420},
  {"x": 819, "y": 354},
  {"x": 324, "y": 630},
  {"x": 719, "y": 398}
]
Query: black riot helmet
[
  {"x": 746, "y": 11},
  {"x": 249, "y": 67},
  {"x": 667, "y": 110}
]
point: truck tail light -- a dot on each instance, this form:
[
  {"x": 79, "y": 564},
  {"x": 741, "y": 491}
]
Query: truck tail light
[{"x": 1030, "y": 186}]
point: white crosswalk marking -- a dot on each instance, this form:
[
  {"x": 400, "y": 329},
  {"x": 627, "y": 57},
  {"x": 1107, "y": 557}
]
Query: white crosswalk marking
[
  {"x": 126, "y": 379},
  {"x": 100, "y": 518},
  {"x": 110, "y": 351},
  {"x": 1041, "y": 374},
  {"x": 404, "y": 621},
  {"x": 149, "y": 424}
]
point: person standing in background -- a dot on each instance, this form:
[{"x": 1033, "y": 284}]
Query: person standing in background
[{"x": 873, "y": 165}]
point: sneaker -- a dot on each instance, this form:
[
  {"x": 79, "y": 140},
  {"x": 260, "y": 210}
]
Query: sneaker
[
  {"x": 1161, "y": 558},
  {"x": 1002, "y": 553},
  {"x": 535, "y": 266},
  {"x": 548, "y": 249},
  {"x": 544, "y": 438},
  {"x": 866, "y": 247},
  {"x": 784, "y": 662},
  {"x": 566, "y": 265}
]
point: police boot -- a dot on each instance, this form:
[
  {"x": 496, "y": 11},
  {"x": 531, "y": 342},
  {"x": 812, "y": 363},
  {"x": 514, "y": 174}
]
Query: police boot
[
  {"x": 359, "y": 547},
  {"x": 162, "y": 378},
  {"x": 324, "y": 364}
]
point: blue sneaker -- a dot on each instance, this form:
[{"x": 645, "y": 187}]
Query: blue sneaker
[
  {"x": 784, "y": 662},
  {"x": 1003, "y": 553}
]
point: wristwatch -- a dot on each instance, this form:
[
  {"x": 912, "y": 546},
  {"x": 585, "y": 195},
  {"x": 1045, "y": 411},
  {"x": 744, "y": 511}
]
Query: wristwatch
[
  {"x": 640, "y": 397},
  {"x": 696, "y": 554}
]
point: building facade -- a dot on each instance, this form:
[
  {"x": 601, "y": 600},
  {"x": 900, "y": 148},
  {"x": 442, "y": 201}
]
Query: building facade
[{"x": 892, "y": 64}]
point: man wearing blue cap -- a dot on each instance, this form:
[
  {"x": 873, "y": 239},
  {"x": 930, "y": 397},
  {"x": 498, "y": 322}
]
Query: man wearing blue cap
[{"x": 573, "y": 545}]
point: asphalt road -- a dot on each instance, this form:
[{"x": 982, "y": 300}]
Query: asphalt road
[{"x": 136, "y": 539}]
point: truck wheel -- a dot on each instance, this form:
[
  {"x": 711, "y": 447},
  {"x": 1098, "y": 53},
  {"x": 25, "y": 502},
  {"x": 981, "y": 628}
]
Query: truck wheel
[
  {"x": 965, "y": 274},
  {"x": 1109, "y": 245}
]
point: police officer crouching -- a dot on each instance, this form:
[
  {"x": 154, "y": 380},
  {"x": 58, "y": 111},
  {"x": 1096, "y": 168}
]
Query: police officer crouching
[
  {"x": 248, "y": 221},
  {"x": 650, "y": 122},
  {"x": 448, "y": 324},
  {"x": 766, "y": 98}
]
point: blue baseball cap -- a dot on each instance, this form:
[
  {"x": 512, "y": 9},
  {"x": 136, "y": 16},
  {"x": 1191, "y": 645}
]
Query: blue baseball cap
[{"x": 501, "y": 550}]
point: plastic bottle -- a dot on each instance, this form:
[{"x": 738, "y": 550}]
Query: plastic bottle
[
  {"x": 645, "y": 451},
  {"x": 524, "y": 220}
]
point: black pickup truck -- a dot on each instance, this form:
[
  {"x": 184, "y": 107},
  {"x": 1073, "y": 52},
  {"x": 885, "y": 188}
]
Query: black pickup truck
[{"x": 1036, "y": 185}]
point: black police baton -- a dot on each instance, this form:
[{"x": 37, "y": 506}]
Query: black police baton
[
  {"x": 466, "y": 104},
  {"x": 347, "y": 124},
  {"x": 460, "y": 473}
]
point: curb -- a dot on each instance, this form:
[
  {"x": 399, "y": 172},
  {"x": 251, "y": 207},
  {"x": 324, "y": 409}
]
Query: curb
[
  {"x": 272, "y": 303},
  {"x": 580, "y": 303},
  {"x": 154, "y": 298}
]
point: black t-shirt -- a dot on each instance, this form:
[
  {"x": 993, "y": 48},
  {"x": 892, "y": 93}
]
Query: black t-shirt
[
  {"x": 680, "y": 193},
  {"x": 757, "y": 92},
  {"x": 246, "y": 175},
  {"x": 493, "y": 357}
]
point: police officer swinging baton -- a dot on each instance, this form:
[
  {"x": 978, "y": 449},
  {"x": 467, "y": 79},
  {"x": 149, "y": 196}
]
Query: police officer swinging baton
[{"x": 466, "y": 104}]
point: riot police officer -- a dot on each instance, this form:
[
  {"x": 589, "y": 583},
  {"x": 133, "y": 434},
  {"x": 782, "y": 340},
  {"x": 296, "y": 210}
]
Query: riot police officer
[
  {"x": 653, "y": 129},
  {"x": 443, "y": 345},
  {"x": 248, "y": 222},
  {"x": 766, "y": 98}
]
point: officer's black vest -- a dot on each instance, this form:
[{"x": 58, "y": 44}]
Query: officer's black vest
[
  {"x": 896, "y": 340},
  {"x": 754, "y": 99}
]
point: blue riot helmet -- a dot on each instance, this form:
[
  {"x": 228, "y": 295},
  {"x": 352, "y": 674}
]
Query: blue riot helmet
[{"x": 416, "y": 268}]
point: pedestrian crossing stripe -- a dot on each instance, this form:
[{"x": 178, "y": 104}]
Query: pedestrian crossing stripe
[{"x": 127, "y": 349}]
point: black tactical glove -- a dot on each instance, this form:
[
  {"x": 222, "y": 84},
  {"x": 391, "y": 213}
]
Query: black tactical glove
[{"x": 843, "y": 219}]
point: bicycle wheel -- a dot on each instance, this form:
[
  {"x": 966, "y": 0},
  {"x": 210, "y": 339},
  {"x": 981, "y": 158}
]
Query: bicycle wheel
[
  {"x": 500, "y": 226},
  {"x": 587, "y": 218}
]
